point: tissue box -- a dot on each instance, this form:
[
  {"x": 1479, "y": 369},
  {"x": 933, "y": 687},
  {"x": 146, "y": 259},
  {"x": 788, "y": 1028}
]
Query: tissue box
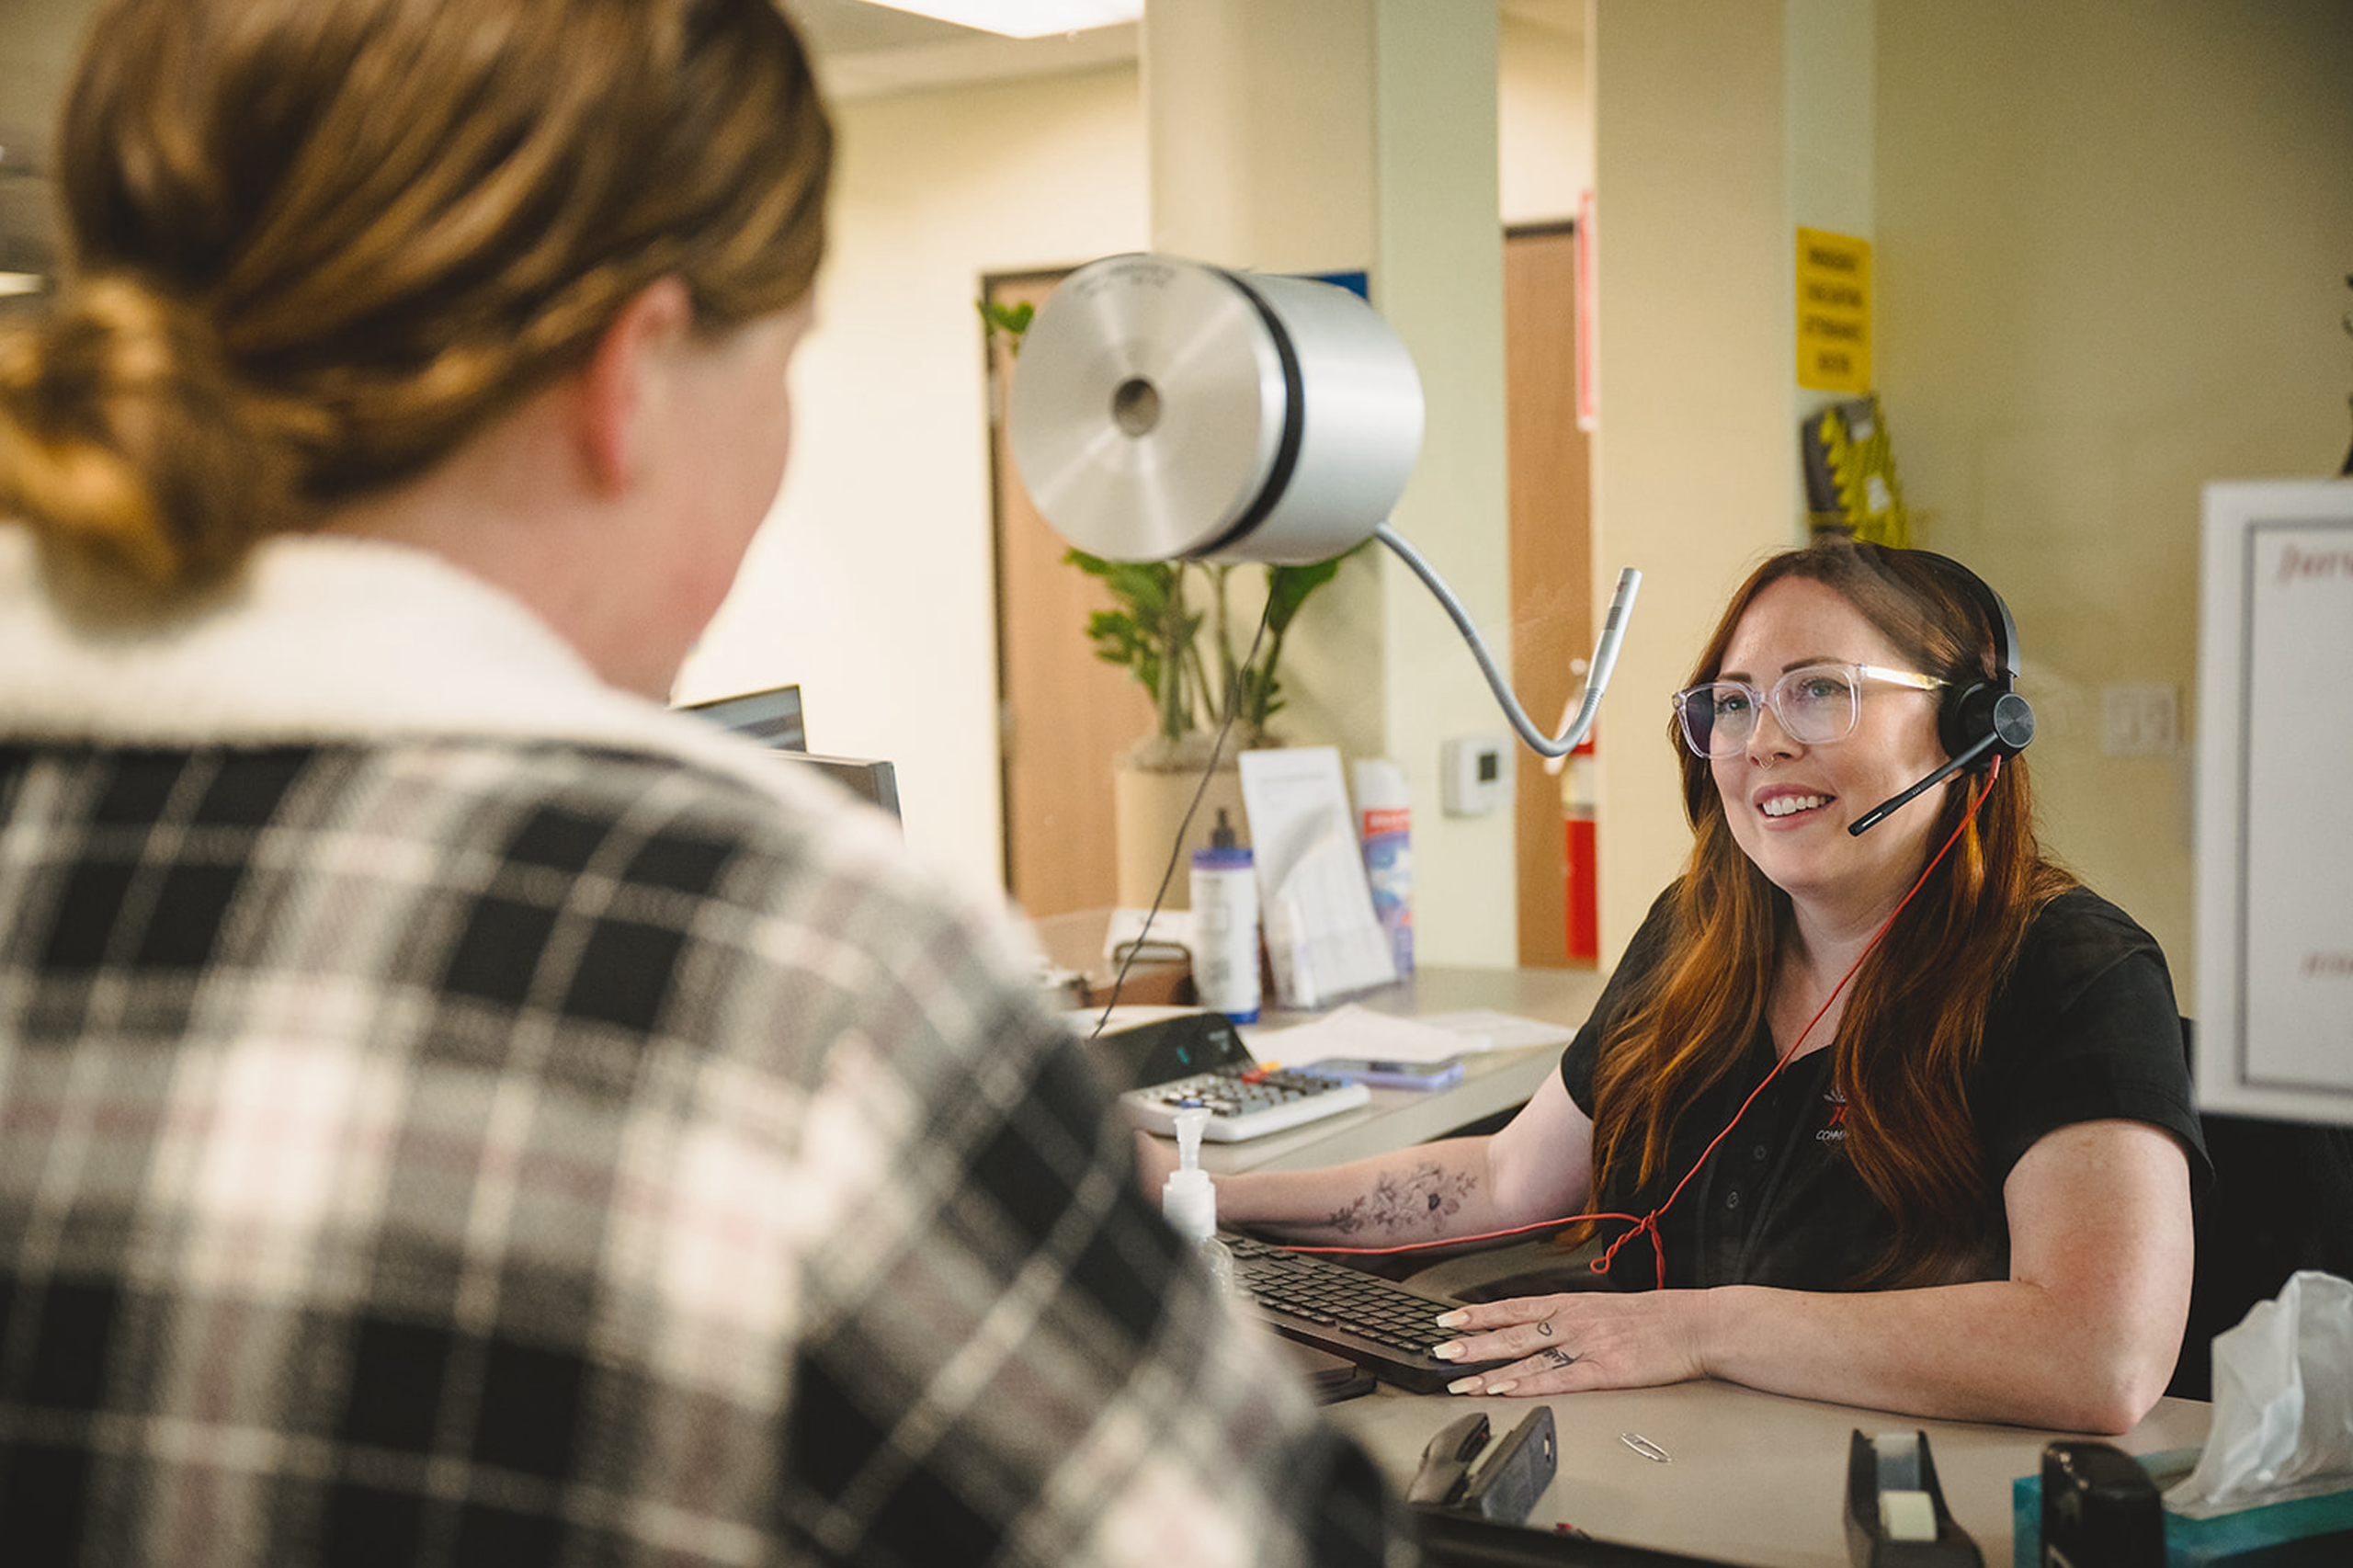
[{"x": 2304, "y": 1532}]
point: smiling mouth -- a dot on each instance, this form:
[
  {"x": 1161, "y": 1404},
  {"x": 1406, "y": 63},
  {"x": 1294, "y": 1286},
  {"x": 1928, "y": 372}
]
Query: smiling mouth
[{"x": 1790, "y": 805}]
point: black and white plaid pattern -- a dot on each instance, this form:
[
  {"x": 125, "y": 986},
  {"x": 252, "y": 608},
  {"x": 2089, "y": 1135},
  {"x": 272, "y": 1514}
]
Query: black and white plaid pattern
[{"x": 488, "y": 1149}]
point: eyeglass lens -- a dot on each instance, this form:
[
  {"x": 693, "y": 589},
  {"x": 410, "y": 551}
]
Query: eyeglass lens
[{"x": 1815, "y": 705}]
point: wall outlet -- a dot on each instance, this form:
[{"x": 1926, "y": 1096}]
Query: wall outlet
[{"x": 2138, "y": 719}]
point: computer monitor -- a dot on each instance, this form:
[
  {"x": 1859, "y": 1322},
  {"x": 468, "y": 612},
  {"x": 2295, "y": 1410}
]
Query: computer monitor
[
  {"x": 2273, "y": 857},
  {"x": 773, "y": 719},
  {"x": 772, "y": 716}
]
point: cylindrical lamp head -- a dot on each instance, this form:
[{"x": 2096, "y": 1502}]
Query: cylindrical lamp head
[{"x": 1164, "y": 409}]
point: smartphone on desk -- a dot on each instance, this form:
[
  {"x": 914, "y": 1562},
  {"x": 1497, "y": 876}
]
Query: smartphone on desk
[{"x": 1381, "y": 1074}]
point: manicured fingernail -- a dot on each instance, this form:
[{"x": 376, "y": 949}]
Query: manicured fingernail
[
  {"x": 1505, "y": 1387},
  {"x": 1450, "y": 1351},
  {"x": 1466, "y": 1385},
  {"x": 1452, "y": 1319}
]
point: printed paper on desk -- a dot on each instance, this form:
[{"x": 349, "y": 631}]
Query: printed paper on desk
[
  {"x": 1480, "y": 1029},
  {"x": 1322, "y": 933},
  {"x": 1360, "y": 1031}
]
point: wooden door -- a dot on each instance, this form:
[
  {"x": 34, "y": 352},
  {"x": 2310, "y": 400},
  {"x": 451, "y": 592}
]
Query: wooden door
[
  {"x": 1551, "y": 559},
  {"x": 1063, "y": 716}
]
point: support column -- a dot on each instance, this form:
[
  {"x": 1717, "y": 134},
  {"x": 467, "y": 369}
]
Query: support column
[
  {"x": 1328, "y": 135},
  {"x": 1695, "y": 457}
]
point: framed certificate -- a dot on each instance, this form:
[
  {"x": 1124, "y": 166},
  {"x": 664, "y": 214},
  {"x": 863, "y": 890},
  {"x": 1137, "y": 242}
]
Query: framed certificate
[{"x": 2273, "y": 847}]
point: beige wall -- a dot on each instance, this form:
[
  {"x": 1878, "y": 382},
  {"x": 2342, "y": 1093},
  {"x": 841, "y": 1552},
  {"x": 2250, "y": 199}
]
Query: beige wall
[
  {"x": 37, "y": 42},
  {"x": 1695, "y": 458},
  {"x": 2112, "y": 247},
  {"x": 1546, "y": 122},
  {"x": 2111, "y": 241},
  {"x": 872, "y": 584},
  {"x": 1440, "y": 261}
]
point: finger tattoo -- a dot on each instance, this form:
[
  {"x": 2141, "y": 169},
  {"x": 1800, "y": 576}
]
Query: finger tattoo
[
  {"x": 1558, "y": 1357},
  {"x": 1545, "y": 1328}
]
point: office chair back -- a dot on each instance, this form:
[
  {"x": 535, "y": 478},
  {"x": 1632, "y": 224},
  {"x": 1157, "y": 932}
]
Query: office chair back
[{"x": 2282, "y": 1200}]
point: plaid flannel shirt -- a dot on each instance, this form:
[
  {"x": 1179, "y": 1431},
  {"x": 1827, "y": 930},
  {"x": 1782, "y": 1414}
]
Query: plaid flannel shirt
[{"x": 454, "y": 1114}]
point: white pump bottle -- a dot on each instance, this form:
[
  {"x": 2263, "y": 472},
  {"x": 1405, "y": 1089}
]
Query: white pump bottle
[{"x": 1188, "y": 1201}]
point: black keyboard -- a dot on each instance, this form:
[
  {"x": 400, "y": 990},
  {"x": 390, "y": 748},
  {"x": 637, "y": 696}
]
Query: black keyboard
[{"x": 1376, "y": 1323}]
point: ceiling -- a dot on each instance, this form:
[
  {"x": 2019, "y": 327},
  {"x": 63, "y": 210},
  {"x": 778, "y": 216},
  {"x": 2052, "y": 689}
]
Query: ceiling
[
  {"x": 864, "y": 47},
  {"x": 857, "y": 27},
  {"x": 861, "y": 49}
]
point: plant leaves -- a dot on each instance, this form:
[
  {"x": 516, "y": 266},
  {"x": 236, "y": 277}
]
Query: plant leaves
[
  {"x": 1154, "y": 631},
  {"x": 1011, "y": 320}
]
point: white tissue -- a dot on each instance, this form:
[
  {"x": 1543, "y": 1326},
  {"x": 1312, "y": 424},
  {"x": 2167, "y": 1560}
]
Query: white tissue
[{"x": 2283, "y": 1404}]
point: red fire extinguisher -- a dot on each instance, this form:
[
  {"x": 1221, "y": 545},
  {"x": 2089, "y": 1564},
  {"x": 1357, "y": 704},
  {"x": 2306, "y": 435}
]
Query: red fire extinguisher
[{"x": 1584, "y": 898}]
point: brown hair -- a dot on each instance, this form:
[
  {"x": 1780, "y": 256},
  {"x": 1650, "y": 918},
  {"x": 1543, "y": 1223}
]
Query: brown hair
[
  {"x": 1913, "y": 1021},
  {"x": 312, "y": 246}
]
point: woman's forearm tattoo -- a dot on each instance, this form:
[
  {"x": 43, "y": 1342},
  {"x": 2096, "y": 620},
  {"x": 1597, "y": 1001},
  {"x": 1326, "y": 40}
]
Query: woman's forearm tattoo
[{"x": 1414, "y": 1201}]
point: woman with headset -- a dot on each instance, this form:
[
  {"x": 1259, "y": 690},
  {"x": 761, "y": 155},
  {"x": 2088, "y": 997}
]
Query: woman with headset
[{"x": 1879, "y": 1105}]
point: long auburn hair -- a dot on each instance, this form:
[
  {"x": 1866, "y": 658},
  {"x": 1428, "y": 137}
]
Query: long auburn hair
[
  {"x": 311, "y": 247},
  {"x": 1913, "y": 1022}
]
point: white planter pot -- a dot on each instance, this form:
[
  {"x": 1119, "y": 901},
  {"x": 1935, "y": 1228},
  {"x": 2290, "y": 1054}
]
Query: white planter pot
[{"x": 1147, "y": 806}]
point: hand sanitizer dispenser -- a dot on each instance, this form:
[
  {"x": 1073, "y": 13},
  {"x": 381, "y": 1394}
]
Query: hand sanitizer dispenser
[{"x": 1188, "y": 1201}]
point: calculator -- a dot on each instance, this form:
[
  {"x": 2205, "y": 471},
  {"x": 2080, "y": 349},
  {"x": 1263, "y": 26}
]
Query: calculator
[
  {"x": 1243, "y": 1103},
  {"x": 1197, "y": 1058}
]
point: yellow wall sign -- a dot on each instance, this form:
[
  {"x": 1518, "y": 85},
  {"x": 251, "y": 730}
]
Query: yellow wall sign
[{"x": 1834, "y": 311}]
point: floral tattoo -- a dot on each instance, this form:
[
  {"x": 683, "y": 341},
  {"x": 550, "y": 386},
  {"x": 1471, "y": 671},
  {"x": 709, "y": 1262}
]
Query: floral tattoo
[{"x": 1412, "y": 1200}]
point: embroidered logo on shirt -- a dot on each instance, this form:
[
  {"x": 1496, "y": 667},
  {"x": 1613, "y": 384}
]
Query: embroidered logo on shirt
[{"x": 1835, "y": 1130}]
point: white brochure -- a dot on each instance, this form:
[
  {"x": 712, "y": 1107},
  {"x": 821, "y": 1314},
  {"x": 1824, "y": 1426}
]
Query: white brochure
[{"x": 1322, "y": 935}]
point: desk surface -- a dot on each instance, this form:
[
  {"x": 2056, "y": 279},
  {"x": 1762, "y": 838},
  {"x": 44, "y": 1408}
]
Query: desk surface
[{"x": 1751, "y": 1478}]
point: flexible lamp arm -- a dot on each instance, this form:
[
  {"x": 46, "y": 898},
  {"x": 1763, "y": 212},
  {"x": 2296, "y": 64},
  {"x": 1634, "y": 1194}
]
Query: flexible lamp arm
[{"x": 1605, "y": 649}]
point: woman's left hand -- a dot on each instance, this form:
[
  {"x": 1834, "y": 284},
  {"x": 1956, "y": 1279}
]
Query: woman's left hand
[{"x": 1599, "y": 1339}]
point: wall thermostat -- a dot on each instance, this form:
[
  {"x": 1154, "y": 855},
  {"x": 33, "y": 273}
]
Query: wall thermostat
[{"x": 1474, "y": 775}]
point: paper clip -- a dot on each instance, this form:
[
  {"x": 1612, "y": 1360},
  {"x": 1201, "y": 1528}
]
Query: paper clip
[{"x": 1645, "y": 1448}]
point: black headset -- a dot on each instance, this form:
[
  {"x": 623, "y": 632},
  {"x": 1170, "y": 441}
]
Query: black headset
[
  {"x": 1979, "y": 721},
  {"x": 1983, "y": 719}
]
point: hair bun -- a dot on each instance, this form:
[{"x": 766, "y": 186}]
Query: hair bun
[{"x": 125, "y": 441}]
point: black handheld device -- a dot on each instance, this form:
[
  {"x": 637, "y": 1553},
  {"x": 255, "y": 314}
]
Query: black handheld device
[
  {"x": 2100, "y": 1509},
  {"x": 1504, "y": 1484}
]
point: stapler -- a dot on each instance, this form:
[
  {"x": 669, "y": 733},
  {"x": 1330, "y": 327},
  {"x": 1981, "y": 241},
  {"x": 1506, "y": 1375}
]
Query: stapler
[
  {"x": 1473, "y": 1512},
  {"x": 1896, "y": 1516},
  {"x": 1503, "y": 1486}
]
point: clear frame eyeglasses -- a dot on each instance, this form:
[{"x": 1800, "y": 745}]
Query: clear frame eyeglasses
[{"x": 1816, "y": 704}]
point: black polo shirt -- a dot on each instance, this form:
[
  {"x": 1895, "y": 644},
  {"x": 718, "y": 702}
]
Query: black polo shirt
[{"x": 2084, "y": 1029}]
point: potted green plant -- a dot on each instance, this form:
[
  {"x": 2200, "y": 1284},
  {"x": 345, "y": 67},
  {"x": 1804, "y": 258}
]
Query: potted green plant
[{"x": 1171, "y": 628}]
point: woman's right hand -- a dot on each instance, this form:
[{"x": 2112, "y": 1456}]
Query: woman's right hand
[{"x": 1586, "y": 1339}]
